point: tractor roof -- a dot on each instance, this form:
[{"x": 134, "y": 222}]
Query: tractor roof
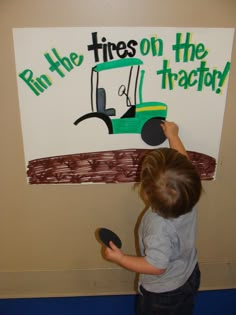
[{"x": 126, "y": 62}]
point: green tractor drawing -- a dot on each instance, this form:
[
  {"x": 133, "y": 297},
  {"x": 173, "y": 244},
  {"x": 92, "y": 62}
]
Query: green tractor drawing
[{"x": 142, "y": 118}]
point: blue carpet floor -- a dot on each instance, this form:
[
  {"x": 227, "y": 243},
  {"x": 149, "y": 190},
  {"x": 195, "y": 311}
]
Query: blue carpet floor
[{"x": 221, "y": 302}]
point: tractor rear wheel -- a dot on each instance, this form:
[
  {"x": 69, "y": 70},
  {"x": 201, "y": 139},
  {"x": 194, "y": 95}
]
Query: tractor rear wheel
[{"x": 152, "y": 132}]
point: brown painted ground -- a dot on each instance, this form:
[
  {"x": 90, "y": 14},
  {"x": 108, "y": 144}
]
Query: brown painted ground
[{"x": 118, "y": 166}]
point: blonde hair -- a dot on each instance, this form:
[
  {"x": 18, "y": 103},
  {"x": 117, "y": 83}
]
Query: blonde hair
[{"x": 169, "y": 182}]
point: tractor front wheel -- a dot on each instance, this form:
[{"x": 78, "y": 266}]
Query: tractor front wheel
[{"x": 152, "y": 132}]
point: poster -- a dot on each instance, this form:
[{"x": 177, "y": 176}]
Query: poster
[{"x": 92, "y": 98}]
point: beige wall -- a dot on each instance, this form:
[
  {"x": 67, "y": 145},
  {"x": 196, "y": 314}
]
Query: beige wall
[{"x": 47, "y": 242}]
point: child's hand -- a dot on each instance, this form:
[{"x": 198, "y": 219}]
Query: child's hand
[
  {"x": 113, "y": 254},
  {"x": 170, "y": 129}
]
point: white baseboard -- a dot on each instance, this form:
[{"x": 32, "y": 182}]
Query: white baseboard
[{"x": 62, "y": 283}]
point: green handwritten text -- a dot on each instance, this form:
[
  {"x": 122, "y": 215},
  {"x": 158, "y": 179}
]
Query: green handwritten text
[
  {"x": 60, "y": 65},
  {"x": 200, "y": 77}
]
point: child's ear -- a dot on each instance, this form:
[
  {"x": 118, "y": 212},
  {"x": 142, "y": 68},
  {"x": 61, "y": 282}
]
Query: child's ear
[
  {"x": 142, "y": 194},
  {"x": 144, "y": 198}
]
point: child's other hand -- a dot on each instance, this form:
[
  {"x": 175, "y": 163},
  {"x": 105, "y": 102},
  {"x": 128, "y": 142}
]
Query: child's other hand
[
  {"x": 170, "y": 129},
  {"x": 113, "y": 254}
]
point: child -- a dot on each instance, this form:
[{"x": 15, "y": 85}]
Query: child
[{"x": 169, "y": 273}]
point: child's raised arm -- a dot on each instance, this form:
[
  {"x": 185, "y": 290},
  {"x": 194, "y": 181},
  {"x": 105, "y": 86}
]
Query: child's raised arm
[{"x": 171, "y": 131}]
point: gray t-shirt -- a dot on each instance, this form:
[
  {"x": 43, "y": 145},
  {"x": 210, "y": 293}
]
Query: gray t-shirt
[{"x": 168, "y": 244}]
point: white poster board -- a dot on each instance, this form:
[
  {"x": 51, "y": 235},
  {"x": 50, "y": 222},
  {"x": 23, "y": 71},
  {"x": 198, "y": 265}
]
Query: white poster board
[{"x": 63, "y": 74}]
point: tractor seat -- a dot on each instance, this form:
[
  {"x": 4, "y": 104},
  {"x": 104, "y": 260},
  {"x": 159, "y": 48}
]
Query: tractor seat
[{"x": 101, "y": 103}]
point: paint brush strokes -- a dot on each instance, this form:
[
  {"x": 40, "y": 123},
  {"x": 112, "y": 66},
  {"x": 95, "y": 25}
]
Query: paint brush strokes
[{"x": 117, "y": 166}]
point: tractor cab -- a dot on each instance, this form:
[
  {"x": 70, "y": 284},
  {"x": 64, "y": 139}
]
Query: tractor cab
[
  {"x": 126, "y": 89},
  {"x": 124, "y": 110}
]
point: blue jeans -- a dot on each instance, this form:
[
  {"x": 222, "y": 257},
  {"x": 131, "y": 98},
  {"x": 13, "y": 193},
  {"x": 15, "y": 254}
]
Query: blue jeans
[{"x": 176, "y": 302}]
